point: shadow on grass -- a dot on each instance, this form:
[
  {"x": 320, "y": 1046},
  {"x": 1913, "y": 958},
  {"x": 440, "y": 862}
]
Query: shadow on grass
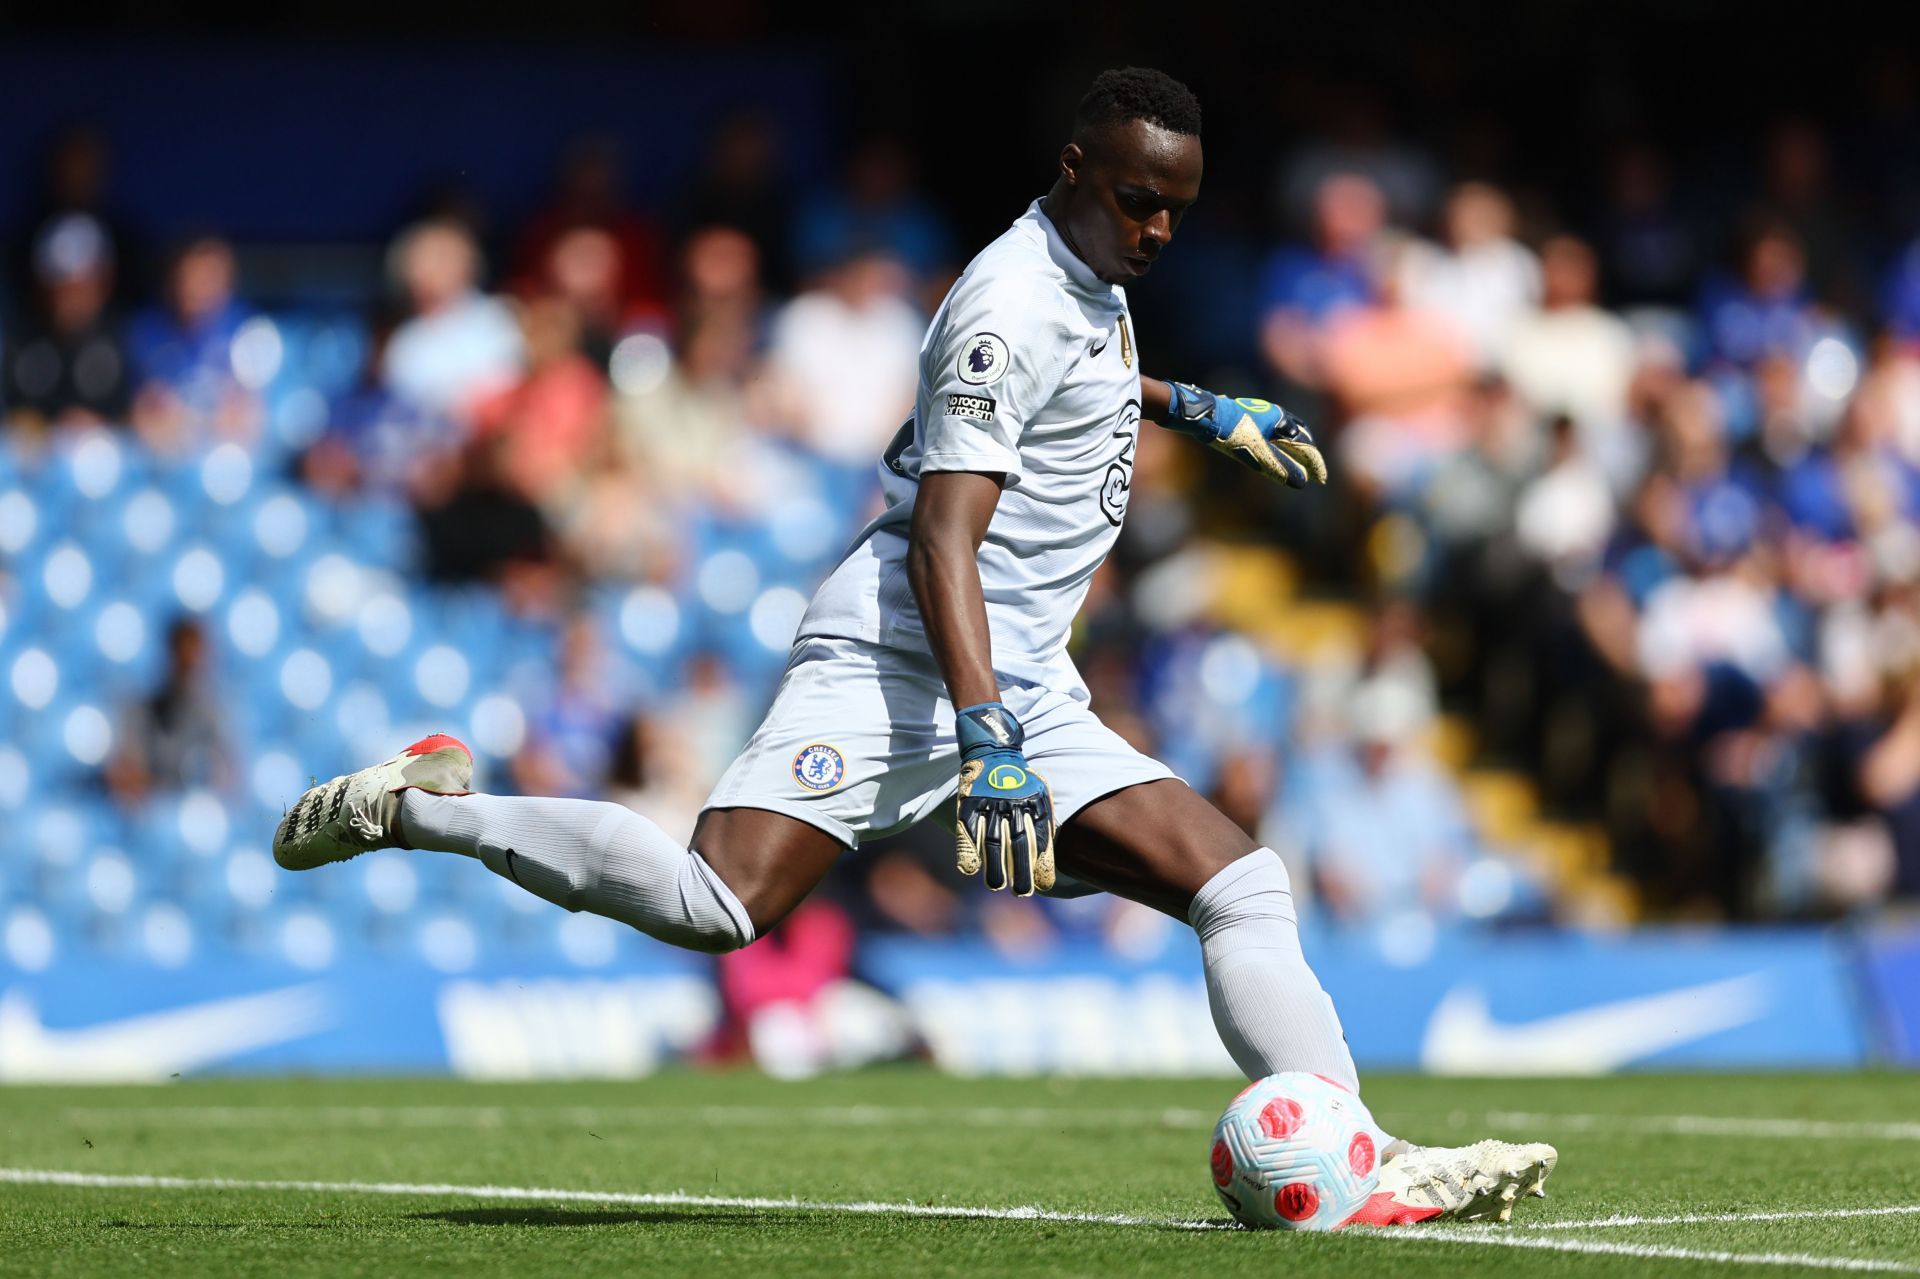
[
  {"x": 171, "y": 1225},
  {"x": 588, "y": 1217},
  {"x": 682, "y": 1216}
]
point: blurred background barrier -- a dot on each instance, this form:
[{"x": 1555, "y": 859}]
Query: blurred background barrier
[
  {"x": 1892, "y": 989},
  {"x": 1779, "y": 999}
]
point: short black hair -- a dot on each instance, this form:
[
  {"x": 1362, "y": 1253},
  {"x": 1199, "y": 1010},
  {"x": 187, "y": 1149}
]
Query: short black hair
[{"x": 1138, "y": 93}]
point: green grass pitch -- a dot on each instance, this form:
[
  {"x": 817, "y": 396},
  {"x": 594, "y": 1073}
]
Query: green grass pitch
[{"x": 1780, "y": 1174}]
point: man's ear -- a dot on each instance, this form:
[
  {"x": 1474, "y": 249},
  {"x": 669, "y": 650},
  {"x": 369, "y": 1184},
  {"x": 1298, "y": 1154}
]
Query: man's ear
[{"x": 1072, "y": 158}]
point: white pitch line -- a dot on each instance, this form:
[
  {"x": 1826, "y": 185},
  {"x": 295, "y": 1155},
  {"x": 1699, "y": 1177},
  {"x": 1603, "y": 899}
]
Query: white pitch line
[
  {"x": 1710, "y": 1126},
  {"x": 536, "y": 1194},
  {"x": 1483, "y": 1236},
  {"x": 1645, "y": 1250},
  {"x": 1730, "y": 1218}
]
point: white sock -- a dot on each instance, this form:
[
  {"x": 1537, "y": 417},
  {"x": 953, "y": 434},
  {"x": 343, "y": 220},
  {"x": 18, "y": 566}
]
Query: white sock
[
  {"x": 586, "y": 855},
  {"x": 1267, "y": 1004}
]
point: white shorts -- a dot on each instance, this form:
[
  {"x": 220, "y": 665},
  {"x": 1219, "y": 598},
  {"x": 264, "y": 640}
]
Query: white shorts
[{"x": 860, "y": 741}]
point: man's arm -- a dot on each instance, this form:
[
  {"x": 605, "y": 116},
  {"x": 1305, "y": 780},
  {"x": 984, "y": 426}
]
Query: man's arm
[
  {"x": 1255, "y": 433},
  {"x": 1003, "y": 810},
  {"x": 950, "y": 517},
  {"x": 1156, "y": 399}
]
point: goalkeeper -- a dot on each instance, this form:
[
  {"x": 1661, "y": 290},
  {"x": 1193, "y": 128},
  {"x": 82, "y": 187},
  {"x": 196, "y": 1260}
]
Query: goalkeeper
[{"x": 930, "y": 675}]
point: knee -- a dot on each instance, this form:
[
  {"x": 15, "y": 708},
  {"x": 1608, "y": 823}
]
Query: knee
[
  {"x": 659, "y": 888},
  {"x": 716, "y": 939},
  {"x": 1250, "y": 887},
  {"x": 765, "y": 863}
]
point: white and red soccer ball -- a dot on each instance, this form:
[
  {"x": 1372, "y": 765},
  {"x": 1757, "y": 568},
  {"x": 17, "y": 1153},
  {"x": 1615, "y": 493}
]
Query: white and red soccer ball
[{"x": 1295, "y": 1152}]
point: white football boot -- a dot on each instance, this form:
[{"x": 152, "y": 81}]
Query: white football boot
[
  {"x": 355, "y": 814},
  {"x": 1461, "y": 1183}
]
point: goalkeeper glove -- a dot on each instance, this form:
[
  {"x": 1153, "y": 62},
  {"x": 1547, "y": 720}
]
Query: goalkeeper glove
[
  {"x": 1255, "y": 433},
  {"x": 1005, "y": 811}
]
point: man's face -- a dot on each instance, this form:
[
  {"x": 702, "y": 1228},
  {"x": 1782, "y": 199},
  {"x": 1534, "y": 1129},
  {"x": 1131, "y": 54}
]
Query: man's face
[{"x": 1132, "y": 185}]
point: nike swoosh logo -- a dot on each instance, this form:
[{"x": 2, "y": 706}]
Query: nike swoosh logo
[
  {"x": 1462, "y": 1038},
  {"x": 511, "y": 873},
  {"x": 1098, "y": 350},
  {"x": 152, "y": 1047}
]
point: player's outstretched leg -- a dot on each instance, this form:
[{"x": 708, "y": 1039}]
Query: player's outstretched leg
[
  {"x": 581, "y": 854},
  {"x": 1162, "y": 844}
]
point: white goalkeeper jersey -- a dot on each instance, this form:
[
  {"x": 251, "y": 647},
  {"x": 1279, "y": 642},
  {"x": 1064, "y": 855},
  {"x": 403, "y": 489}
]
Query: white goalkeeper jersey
[{"x": 1029, "y": 368}]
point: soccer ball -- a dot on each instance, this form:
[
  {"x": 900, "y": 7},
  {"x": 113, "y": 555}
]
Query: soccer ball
[{"x": 1294, "y": 1152}]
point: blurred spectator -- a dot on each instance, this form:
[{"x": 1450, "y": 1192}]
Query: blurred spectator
[
  {"x": 740, "y": 185},
  {"x": 1651, "y": 251},
  {"x": 573, "y": 734},
  {"x": 875, "y": 211},
  {"x": 1303, "y": 287},
  {"x": 79, "y": 164},
  {"x": 182, "y": 353},
  {"x": 1385, "y": 831},
  {"x": 1469, "y": 500},
  {"x": 793, "y": 999},
  {"x": 1797, "y": 187},
  {"x": 1570, "y": 357},
  {"x": 477, "y": 526},
  {"x": 623, "y": 524},
  {"x": 375, "y": 441},
  {"x": 720, "y": 275},
  {"x": 1387, "y": 674},
  {"x": 1565, "y": 516},
  {"x": 65, "y": 362},
  {"x": 1859, "y": 488},
  {"x": 458, "y": 345},
  {"x": 1718, "y": 495},
  {"x": 714, "y": 713},
  {"x": 553, "y": 422},
  {"x": 844, "y": 356},
  {"x": 1356, "y": 136},
  {"x": 177, "y": 738},
  {"x": 591, "y": 197},
  {"x": 1882, "y": 757},
  {"x": 689, "y": 433},
  {"x": 1400, "y": 375},
  {"x": 1767, "y": 308},
  {"x": 653, "y": 773},
  {"x": 583, "y": 271},
  {"x": 1481, "y": 278},
  {"x": 1900, "y": 295},
  {"x": 906, "y": 883}
]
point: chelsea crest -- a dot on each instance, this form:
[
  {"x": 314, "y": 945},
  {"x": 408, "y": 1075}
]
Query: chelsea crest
[{"x": 819, "y": 767}]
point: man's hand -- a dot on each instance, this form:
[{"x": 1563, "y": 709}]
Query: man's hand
[
  {"x": 1255, "y": 433},
  {"x": 1005, "y": 810}
]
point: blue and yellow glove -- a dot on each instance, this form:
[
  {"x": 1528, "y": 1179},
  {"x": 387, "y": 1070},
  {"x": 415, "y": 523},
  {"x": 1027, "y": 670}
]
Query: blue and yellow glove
[
  {"x": 1005, "y": 816},
  {"x": 1256, "y": 433}
]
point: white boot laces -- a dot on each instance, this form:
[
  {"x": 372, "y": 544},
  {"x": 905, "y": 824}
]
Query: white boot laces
[{"x": 360, "y": 819}]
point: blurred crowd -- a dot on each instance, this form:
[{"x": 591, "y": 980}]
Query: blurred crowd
[
  {"x": 1648, "y": 470},
  {"x": 1631, "y": 488}
]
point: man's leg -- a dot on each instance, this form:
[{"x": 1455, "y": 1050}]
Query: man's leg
[
  {"x": 770, "y": 833},
  {"x": 1157, "y": 842},
  {"x": 1161, "y": 844},
  {"x": 746, "y": 869}
]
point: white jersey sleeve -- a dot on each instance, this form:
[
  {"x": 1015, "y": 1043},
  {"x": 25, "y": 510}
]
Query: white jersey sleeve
[{"x": 994, "y": 356}]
